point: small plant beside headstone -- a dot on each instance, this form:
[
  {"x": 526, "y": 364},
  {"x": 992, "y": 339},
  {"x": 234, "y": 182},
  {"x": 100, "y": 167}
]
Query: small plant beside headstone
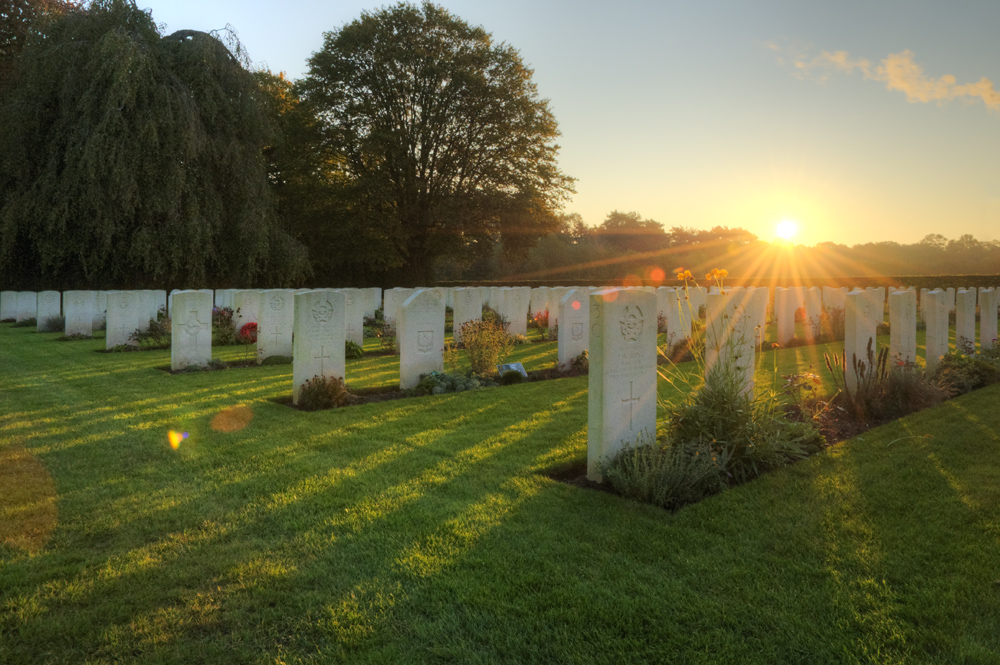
[
  {"x": 438, "y": 383},
  {"x": 324, "y": 392},
  {"x": 222, "y": 326},
  {"x": 156, "y": 336},
  {"x": 486, "y": 343}
]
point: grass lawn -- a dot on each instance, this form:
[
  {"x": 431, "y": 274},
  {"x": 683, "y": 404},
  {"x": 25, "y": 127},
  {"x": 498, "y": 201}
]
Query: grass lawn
[{"x": 425, "y": 530}]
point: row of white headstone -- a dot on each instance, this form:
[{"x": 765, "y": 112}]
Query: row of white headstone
[{"x": 623, "y": 344}]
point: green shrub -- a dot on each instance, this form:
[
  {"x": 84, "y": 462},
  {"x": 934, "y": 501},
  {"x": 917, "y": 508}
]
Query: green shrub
[
  {"x": 373, "y": 324},
  {"x": 666, "y": 474},
  {"x": 223, "y": 331},
  {"x": 53, "y": 324},
  {"x": 438, "y": 383},
  {"x": 486, "y": 343},
  {"x": 324, "y": 392},
  {"x": 958, "y": 373},
  {"x": 353, "y": 350},
  {"x": 751, "y": 432},
  {"x": 26, "y": 323},
  {"x": 387, "y": 337},
  {"x": 511, "y": 377},
  {"x": 580, "y": 363},
  {"x": 518, "y": 340},
  {"x": 157, "y": 336}
]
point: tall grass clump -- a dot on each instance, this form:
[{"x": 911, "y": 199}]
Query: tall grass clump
[{"x": 884, "y": 390}]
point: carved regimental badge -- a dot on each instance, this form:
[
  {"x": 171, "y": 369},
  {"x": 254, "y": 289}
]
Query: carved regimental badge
[
  {"x": 425, "y": 340},
  {"x": 277, "y": 303},
  {"x": 631, "y": 323},
  {"x": 322, "y": 311},
  {"x": 576, "y": 330}
]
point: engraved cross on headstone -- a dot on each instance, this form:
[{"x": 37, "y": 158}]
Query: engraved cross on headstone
[
  {"x": 631, "y": 400},
  {"x": 193, "y": 326},
  {"x": 321, "y": 357}
]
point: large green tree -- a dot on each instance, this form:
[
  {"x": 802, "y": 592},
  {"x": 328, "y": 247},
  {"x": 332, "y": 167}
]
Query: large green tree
[
  {"x": 445, "y": 145},
  {"x": 131, "y": 159}
]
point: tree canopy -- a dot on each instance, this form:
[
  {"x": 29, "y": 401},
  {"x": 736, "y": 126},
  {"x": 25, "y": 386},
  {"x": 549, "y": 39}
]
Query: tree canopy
[
  {"x": 131, "y": 158},
  {"x": 444, "y": 144}
]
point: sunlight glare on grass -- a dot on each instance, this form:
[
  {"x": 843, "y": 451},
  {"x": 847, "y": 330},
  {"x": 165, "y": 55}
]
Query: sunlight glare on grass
[
  {"x": 28, "y": 512},
  {"x": 232, "y": 419}
]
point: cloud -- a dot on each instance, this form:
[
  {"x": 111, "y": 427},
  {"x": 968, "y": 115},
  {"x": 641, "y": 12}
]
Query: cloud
[{"x": 899, "y": 71}]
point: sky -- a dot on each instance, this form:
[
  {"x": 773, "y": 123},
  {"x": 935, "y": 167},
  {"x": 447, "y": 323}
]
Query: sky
[{"x": 857, "y": 121}]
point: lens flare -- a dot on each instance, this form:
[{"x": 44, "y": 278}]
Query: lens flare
[
  {"x": 176, "y": 438},
  {"x": 657, "y": 274},
  {"x": 576, "y": 304}
]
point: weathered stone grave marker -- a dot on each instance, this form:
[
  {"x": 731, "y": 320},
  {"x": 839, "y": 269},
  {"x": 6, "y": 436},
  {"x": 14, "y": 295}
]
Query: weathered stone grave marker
[
  {"x": 903, "y": 327},
  {"x": 420, "y": 328},
  {"x": 622, "y": 381},
  {"x": 574, "y": 331},
  {"x": 190, "y": 330},
  {"x": 275, "y": 322},
  {"x": 320, "y": 332}
]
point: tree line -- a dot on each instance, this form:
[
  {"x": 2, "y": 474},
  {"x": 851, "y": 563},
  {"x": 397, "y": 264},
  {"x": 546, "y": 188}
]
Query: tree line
[
  {"x": 416, "y": 149},
  {"x": 130, "y": 158}
]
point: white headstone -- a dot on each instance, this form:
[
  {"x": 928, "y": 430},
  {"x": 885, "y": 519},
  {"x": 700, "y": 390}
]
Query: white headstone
[
  {"x": 393, "y": 298},
  {"x": 514, "y": 308},
  {"x": 49, "y": 308},
  {"x": 420, "y": 334},
  {"x": 468, "y": 307},
  {"x": 936, "y": 340},
  {"x": 813, "y": 312},
  {"x": 124, "y": 313},
  {"x": 556, "y": 294},
  {"x": 79, "y": 307},
  {"x": 987, "y": 318},
  {"x": 903, "y": 327},
  {"x": 190, "y": 330},
  {"x": 950, "y": 294},
  {"x": 8, "y": 305},
  {"x": 100, "y": 309},
  {"x": 320, "y": 332},
  {"x": 784, "y": 313},
  {"x": 859, "y": 335},
  {"x": 729, "y": 340},
  {"x": 27, "y": 305},
  {"x": 147, "y": 303},
  {"x": 373, "y": 300},
  {"x": 355, "y": 304},
  {"x": 274, "y": 324},
  {"x": 622, "y": 382},
  {"x": 539, "y": 299},
  {"x": 574, "y": 331},
  {"x": 965, "y": 321},
  {"x": 246, "y": 308}
]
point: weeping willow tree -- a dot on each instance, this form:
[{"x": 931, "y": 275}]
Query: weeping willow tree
[{"x": 131, "y": 159}]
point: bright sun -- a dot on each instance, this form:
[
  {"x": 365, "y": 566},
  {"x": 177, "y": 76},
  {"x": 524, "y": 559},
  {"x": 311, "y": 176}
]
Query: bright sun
[{"x": 786, "y": 229}]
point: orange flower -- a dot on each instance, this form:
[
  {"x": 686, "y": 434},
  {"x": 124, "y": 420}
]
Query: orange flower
[{"x": 683, "y": 274}]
